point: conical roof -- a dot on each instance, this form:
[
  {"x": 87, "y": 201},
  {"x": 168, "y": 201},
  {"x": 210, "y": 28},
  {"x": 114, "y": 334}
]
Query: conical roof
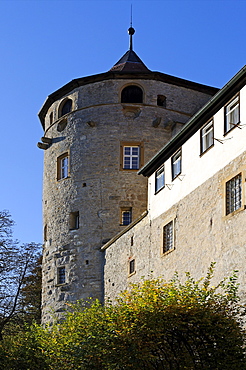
[{"x": 130, "y": 62}]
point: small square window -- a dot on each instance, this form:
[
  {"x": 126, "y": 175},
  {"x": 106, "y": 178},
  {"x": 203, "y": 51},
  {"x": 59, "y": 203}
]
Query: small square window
[
  {"x": 62, "y": 166},
  {"x": 131, "y": 266},
  {"x": 61, "y": 275},
  {"x": 207, "y": 136},
  {"x": 232, "y": 118},
  {"x": 234, "y": 194},
  {"x": 176, "y": 164},
  {"x": 168, "y": 237},
  {"x": 126, "y": 216},
  {"x": 159, "y": 179},
  {"x": 131, "y": 156},
  {"x": 161, "y": 101},
  {"x": 74, "y": 220}
]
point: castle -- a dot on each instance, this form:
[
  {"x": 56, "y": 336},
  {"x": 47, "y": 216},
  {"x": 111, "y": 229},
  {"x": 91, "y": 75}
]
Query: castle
[{"x": 143, "y": 175}]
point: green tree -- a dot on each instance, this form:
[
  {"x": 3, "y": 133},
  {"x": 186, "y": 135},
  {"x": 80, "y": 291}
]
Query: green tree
[
  {"x": 16, "y": 263},
  {"x": 153, "y": 325}
]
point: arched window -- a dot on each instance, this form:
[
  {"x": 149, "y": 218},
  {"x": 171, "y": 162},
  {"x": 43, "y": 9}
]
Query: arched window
[
  {"x": 65, "y": 107},
  {"x": 132, "y": 94}
]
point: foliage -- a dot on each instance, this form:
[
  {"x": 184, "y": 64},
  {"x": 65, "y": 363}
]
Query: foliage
[
  {"x": 153, "y": 325},
  {"x": 16, "y": 263}
]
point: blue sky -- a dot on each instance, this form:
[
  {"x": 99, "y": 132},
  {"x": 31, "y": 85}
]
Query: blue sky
[{"x": 46, "y": 43}]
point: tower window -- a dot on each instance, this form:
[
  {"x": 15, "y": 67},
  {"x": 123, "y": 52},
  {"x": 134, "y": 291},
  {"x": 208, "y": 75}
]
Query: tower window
[
  {"x": 74, "y": 220},
  {"x": 62, "y": 166},
  {"x": 61, "y": 275},
  {"x": 45, "y": 233},
  {"x": 161, "y": 101},
  {"x": 131, "y": 156},
  {"x": 126, "y": 216},
  {"x": 132, "y": 94},
  {"x": 65, "y": 107},
  {"x": 51, "y": 118}
]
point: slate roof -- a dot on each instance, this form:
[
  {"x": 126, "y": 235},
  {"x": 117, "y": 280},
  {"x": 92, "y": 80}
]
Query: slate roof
[{"x": 130, "y": 62}]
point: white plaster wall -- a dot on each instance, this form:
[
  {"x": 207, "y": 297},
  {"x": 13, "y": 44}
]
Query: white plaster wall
[{"x": 197, "y": 169}]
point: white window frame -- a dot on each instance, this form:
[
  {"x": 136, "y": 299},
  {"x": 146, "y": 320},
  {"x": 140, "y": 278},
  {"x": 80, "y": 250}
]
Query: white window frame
[
  {"x": 129, "y": 162},
  {"x": 176, "y": 164},
  {"x": 234, "y": 194},
  {"x": 232, "y": 114},
  {"x": 207, "y": 136},
  {"x": 63, "y": 166},
  {"x": 160, "y": 179}
]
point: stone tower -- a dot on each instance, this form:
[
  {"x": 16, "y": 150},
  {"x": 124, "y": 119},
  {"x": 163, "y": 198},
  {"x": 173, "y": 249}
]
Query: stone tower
[{"x": 98, "y": 131}]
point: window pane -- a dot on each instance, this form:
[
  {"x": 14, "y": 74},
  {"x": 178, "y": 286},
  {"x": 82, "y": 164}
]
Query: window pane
[
  {"x": 234, "y": 194},
  {"x": 61, "y": 279},
  {"x": 126, "y": 217},
  {"x": 160, "y": 179},
  {"x": 131, "y": 157},
  {"x": 207, "y": 134},
  {"x": 168, "y": 237},
  {"x": 232, "y": 114},
  {"x": 176, "y": 164}
]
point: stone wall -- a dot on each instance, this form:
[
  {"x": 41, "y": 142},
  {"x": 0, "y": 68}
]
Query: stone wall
[{"x": 96, "y": 186}]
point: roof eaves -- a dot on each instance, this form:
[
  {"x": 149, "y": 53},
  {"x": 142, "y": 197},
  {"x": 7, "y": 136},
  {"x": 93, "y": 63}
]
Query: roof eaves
[
  {"x": 127, "y": 228},
  {"x": 190, "y": 126}
]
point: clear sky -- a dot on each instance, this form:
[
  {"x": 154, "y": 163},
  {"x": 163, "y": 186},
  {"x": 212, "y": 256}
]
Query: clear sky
[{"x": 46, "y": 43}]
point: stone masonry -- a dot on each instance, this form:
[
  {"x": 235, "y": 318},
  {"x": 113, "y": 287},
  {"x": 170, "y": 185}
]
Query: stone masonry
[{"x": 97, "y": 187}]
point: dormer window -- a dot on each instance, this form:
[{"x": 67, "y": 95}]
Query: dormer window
[
  {"x": 65, "y": 107},
  {"x": 132, "y": 94}
]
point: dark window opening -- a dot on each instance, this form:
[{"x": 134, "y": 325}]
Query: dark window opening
[
  {"x": 66, "y": 107},
  {"x": 74, "y": 220},
  {"x": 61, "y": 278},
  {"x": 132, "y": 94},
  {"x": 161, "y": 101},
  {"x": 132, "y": 266}
]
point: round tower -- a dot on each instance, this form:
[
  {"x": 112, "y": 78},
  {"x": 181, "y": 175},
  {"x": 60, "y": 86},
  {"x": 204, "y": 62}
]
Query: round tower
[{"x": 98, "y": 131}]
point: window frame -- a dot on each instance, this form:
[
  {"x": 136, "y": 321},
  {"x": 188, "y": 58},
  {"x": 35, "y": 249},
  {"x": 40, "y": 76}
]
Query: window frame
[
  {"x": 74, "y": 220},
  {"x": 166, "y": 248},
  {"x": 128, "y": 87},
  {"x": 174, "y": 174},
  {"x": 61, "y": 277},
  {"x": 61, "y": 106},
  {"x": 140, "y": 155},
  {"x": 122, "y": 211},
  {"x": 131, "y": 266},
  {"x": 230, "y": 126},
  {"x": 160, "y": 187},
  {"x": 233, "y": 208},
  {"x": 60, "y": 166},
  {"x": 204, "y": 149}
]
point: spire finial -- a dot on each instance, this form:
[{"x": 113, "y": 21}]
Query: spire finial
[{"x": 131, "y": 30}]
